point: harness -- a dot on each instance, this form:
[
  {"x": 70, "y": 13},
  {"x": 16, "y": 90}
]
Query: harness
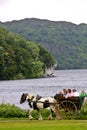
[{"x": 34, "y": 101}]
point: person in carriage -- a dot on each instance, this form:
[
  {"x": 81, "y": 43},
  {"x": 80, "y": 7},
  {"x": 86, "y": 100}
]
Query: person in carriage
[
  {"x": 69, "y": 93},
  {"x": 75, "y": 93},
  {"x": 62, "y": 92},
  {"x": 83, "y": 94}
]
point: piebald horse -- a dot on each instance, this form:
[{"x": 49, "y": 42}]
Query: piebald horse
[{"x": 37, "y": 102}]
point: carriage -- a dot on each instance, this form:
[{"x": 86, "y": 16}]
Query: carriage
[
  {"x": 61, "y": 106},
  {"x": 69, "y": 106}
]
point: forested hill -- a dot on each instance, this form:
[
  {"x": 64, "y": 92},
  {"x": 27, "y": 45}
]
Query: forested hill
[
  {"x": 66, "y": 41},
  {"x": 21, "y": 59}
]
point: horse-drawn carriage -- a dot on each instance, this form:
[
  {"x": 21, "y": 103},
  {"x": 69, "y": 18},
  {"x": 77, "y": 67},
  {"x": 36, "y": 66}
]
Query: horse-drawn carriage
[
  {"x": 58, "y": 104},
  {"x": 69, "y": 106}
]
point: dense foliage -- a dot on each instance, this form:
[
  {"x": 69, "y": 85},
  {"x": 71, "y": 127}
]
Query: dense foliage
[
  {"x": 67, "y": 42},
  {"x": 21, "y": 59},
  {"x": 11, "y": 111}
]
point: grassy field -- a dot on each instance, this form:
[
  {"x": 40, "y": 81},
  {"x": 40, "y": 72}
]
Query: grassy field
[{"x": 43, "y": 125}]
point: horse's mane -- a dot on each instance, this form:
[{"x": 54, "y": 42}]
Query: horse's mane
[{"x": 38, "y": 97}]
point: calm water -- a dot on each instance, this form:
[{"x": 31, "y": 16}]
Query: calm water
[{"x": 10, "y": 91}]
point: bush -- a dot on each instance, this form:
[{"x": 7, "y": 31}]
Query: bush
[
  {"x": 19, "y": 76},
  {"x": 11, "y": 111}
]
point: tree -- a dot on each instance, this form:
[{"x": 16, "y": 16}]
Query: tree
[{"x": 20, "y": 58}]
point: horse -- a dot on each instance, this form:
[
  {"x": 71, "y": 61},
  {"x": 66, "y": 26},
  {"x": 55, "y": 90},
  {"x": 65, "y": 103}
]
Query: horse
[{"x": 37, "y": 102}]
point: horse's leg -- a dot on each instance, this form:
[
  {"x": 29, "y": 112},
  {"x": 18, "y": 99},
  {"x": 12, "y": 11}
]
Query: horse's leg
[
  {"x": 56, "y": 111},
  {"x": 50, "y": 115},
  {"x": 30, "y": 116},
  {"x": 40, "y": 116}
]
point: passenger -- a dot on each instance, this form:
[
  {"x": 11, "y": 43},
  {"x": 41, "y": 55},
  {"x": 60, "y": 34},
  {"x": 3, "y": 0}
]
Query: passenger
[
  {"x": 83, "y": 94},
  {"x": 69, "y": 93},
  {"x": 75, "y": 93},
  {"x": 64, "y": 92},
  {"x": 60, "y": 92},
  {"x": 58, "y": 95}
]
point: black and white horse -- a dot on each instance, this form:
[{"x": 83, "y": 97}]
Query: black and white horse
[{"x": 37, "y": 102}]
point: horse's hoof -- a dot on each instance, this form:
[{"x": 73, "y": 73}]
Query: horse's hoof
[
  {"x": 30, "y": 118},
  {"x": 40, "y": 119},
  {"x": 58, "y": 118}
]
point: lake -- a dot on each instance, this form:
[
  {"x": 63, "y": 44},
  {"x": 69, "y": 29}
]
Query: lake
[{"x": 10, "y": 91}]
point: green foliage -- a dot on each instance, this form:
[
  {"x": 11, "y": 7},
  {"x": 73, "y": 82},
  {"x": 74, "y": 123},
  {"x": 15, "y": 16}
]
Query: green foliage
[
  {"x": 46, "y": 58},
  {"x": 11, "y": 111},
  {"x": 19, "y": 76},
  {"x": 67, "y": 42},
  {"x": 19, "y": 58}
]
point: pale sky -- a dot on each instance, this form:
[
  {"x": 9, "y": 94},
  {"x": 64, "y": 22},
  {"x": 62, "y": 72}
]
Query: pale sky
[{"x": 74, "y": 11}]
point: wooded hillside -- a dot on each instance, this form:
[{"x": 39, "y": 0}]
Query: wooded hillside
[
  {"x": 21, "y": 59},
  {"x": 67, "y": 42}
]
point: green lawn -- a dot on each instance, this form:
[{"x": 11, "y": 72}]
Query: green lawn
[{"x": 43, "y": 125}]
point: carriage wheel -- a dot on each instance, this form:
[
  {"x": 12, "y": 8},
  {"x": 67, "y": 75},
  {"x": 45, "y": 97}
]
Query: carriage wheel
[{"x": 68, "y": 109}]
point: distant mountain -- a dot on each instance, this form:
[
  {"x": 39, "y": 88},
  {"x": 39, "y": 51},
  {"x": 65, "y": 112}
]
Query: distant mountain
[{"x": 66, "y": 41}]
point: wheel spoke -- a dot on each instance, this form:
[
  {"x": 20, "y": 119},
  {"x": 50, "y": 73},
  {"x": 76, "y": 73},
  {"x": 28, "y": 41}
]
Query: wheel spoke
[{"x": 68, "y": 108}]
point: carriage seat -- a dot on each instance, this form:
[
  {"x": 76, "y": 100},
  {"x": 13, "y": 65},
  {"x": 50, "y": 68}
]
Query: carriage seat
[{"x": 59, "y": 97}]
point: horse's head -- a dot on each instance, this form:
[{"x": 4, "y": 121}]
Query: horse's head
[{"x": 23, "y": 98}]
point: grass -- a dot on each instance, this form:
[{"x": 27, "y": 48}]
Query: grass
[
  {"x": 43, "y": 125},
  {"x": 13, "y": 118}
]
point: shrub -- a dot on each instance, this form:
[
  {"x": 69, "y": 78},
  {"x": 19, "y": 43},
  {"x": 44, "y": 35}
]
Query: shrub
[{"x": 11, "y": 111}]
